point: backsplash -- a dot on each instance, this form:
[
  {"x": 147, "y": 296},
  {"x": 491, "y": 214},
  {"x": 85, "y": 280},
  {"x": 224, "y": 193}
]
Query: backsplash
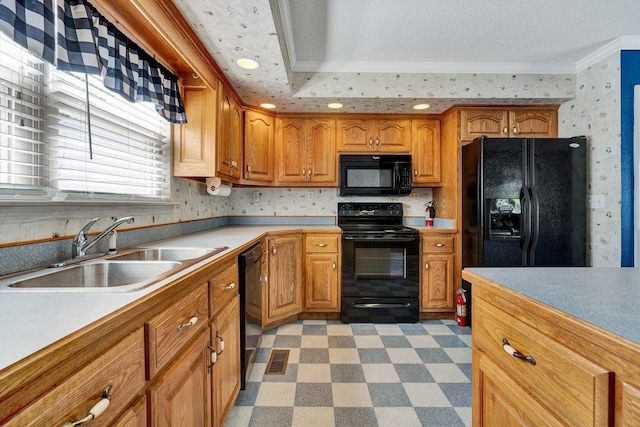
[{"x": 596, "y": 113}]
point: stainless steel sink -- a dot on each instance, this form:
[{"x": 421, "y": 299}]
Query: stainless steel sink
[
  {"x": 122, "y": 275},
  {"x": 168, "y": 254}
]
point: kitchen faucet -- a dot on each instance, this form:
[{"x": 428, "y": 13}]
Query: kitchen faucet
[{"x": 81, "y": 245}]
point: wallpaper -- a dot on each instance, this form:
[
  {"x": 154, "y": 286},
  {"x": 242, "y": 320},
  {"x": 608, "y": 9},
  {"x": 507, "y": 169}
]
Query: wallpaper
[{"x": 595, "y": 112}]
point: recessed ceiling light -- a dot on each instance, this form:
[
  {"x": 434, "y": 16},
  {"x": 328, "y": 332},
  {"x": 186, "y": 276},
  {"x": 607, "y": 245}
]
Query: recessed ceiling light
[
  {"x": 247, "y": 64},
  {"x": 335, "y": 105},
  {"x": 421, "y": 106},
  {"x": 267, "y": 105}
]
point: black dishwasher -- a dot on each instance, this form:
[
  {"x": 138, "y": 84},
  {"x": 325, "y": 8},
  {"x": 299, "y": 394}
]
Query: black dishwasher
[{"x": 250, "y": 267}]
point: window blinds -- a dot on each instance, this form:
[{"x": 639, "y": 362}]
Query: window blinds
[
  {"x": 129, "y": 141},
  {"x": 23, "y": 85}
]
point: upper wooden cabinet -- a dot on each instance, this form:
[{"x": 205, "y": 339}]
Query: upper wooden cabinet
[
  {"x": 523, "y": 122},
  {"x": 425, "y": 150},
  {"x": 305, "y": 152},
  {"x": 367, "y": 135},
  {"x": 259, "y": 130},
  {"x": 194, "y": 143},
  {"x": 229, "y": 133}
]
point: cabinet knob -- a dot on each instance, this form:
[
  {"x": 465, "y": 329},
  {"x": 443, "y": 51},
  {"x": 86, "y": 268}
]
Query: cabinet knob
[
  {"x": 377, "y": 142},
  {"x": 192, "y": 321},
  {"x": 95, "y": 411},
  {"x": 248, "y": 169},
  {"x": 304, "y": 174},
  {"x": 415, "y": 172},
  {"x": 515, "y": 130},
  {"x": 505, "y": 131},
  {"x": 309, "y": 173},
  {"x": 230, "y": 286},
  {"x": 371, "y": 142},
  {"x": 426, "y": 265},
  {"x": 334, "y": 266},
  {"x": 515, "y": 353}
]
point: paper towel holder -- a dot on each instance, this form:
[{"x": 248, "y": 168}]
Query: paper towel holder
[{"x": 215, "y": 187}]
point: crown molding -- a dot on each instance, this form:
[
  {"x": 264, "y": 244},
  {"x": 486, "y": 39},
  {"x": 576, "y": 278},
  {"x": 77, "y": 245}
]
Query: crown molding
[{"x": 621, "y": 43}]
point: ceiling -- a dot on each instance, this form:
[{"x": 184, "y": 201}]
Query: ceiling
[{"x": 384, "y": 56}]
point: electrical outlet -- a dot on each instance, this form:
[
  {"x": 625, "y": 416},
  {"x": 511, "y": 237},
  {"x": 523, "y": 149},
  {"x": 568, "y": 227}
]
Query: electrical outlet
[
  {"x": 595, "y": 201},
  {"x": 310, "y": 195},
  {"x": 256, "y": 196}
]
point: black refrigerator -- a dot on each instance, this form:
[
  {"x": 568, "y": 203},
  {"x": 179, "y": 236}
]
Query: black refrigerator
[{"x": 524, "y": 202}]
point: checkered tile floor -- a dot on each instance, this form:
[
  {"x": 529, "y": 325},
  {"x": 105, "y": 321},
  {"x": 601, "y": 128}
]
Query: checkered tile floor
[{"x": 361, "y": 375}]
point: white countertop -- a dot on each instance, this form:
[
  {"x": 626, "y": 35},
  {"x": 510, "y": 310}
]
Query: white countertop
[
  {"x": 604, "y": 297},
  {"x": 32, "y": 320}
]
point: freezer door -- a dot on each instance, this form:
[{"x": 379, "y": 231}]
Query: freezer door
[
  {"x": 502, "y": 182},
  {"x": 557, "y": 183}
]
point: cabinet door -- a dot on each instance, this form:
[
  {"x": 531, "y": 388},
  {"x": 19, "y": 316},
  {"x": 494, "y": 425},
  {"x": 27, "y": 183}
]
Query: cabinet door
[
  {"x": 628, "y": 406},
  {"x": 291, "y": 149},
  {"x": 392, "y": 136},
  {"x": 223, "y": 145},
  {"x": 236, "y": 140},
  {"x": 426, "y": 152},
  {"x": 355, "y": 135},
  {"x": 321, "y": 152},
  {"x": 182, "y": 395},
  {"x": 134, "y": 416},
  {"x": 258, "y": 147},
  {"x": 285, "y": 277},
  {"x": 321, "y": 286},
  {"x": 533, "y": 123},
  {"x": 226, "y": 371},
  {"x": 194, "y": 143},
  {"x": 497, "y": 400},
  {"x": 475, "y": 123},
  {"x": 437, "y": 281}
]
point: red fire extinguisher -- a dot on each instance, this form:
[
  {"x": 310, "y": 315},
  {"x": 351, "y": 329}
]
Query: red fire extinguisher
[{"x": 461, "y": 307}]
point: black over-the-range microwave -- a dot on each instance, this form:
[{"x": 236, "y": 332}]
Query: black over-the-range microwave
[{"x": 375, "y": 174}]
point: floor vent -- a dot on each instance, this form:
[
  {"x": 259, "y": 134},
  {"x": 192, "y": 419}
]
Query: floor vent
[{"x": 277, "y": 362}]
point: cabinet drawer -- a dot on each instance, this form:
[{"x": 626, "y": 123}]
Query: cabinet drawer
[
  {"x": 172, "y": 329},
  {"x": 122, "y": 368},
  {"x": 437, "y": 244},
  {"x": 321, "y": 243},
  {"x": 223, "y": 287},
  {"x": 571, "y": 386}
]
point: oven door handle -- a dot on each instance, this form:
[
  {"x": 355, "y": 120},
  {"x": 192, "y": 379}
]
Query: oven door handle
[
  {"x": 382, "y": 305},
  {"x": 381, "y": 239}
]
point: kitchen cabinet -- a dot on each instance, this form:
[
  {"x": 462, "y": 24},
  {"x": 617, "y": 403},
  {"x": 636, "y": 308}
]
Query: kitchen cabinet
[
  {"x": 322, "y": 264},
  {"x": 117, "y": 375},
  {"x": 226, "y": 371},
  {"x": 259, "y": 132},
  {"x": 182, "y": 395},
  {"x": 194, "y": 143},
  {"x": 134, "y": 416},
  {"x": 284, "y": 279},
  {"x": 436, "y": 275},
  {"x": 522, "y": 122},
  {"x": 305, "y": 152},
  {"x": 425, "y": 150},
  {"x": 229, "y": 136},
  {"x": 369, "y": 135},
  {"x": 628, "y": 408}
]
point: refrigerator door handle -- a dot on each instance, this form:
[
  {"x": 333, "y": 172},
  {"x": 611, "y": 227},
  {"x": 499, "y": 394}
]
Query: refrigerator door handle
[
  {"x": 525, "y": 231},
  {"x": 534, "y": 222}
]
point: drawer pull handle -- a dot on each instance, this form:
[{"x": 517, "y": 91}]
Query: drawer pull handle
[
  {"x": 191, "y": 322},
  {"x": 214, "y": 354},
  {"x": 322, "y": 245},
  {"x": 515, "y": 353},
  {"x": 439, "y": 245},
  {"x": 230, "y": 286},
  {"x": 220, "y": 344},
  {"x": 96, "y": 410}
]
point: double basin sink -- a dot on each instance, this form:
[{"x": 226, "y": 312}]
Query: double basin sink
[{"x": 131, "y": 270}]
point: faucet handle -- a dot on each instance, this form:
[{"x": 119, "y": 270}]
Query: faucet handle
[{"x": 86, "y": 228}]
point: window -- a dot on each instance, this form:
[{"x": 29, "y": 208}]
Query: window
[{"x": 45, "y": 146}]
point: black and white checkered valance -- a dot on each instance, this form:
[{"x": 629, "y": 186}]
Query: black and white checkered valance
[
  {"x": 30, "y": 23},
  {"x": 88, "y": 43}
]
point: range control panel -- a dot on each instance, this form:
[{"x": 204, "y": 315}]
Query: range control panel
[{"x": 370, "y": 209}]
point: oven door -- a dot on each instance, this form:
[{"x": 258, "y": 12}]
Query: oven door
[{"x": 380, "y": 278}]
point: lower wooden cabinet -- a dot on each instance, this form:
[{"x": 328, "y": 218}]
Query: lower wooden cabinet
[
  {"x": 134, "y": 416},
  {"x": 628, "y": 405},
  {"x": 118, "y": 373},
  {"x": 437, "y": 274},
  {"x": 322, "y": 266},
  {"x": 284, "y": 279},
  {"x": 226, "y": 371},
  {"x": 182, "y": 395}
]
